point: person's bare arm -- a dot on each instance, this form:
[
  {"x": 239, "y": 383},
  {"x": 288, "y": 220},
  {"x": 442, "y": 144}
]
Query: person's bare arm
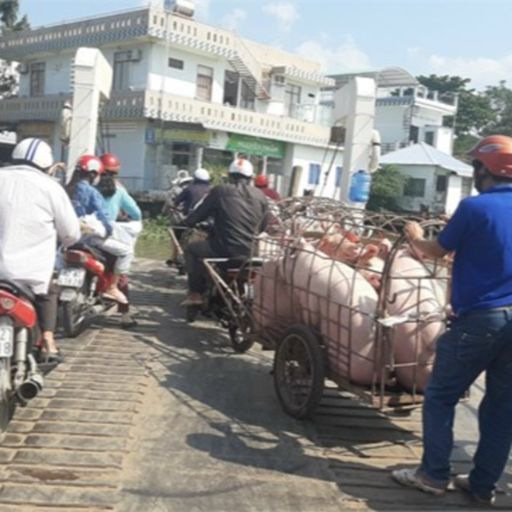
[{"x": 430, "y": 248}]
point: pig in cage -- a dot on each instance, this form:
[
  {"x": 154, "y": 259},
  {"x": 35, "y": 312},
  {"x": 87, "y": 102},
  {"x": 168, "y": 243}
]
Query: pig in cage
[{"x": 341, "y": 295}]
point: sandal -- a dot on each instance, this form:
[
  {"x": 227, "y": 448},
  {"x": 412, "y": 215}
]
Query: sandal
[{"x": 50, "y": 357}]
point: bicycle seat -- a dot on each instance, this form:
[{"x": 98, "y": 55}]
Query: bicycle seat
[{"x": 18, "y": 289}]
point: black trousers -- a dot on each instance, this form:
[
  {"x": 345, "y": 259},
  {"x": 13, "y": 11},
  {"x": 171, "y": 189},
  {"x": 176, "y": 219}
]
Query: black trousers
[
  {"x": 47, "y": 308},
  {"x": 197, "y": 273}
]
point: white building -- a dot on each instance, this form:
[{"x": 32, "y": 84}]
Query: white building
[
  {"x": 183, "y": 93},
  {"x": 406, "y": 112},
  {"x": 436, "y": 180}
]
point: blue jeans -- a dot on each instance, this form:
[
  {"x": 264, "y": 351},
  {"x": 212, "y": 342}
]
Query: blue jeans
[{"x": 476, "y": 342}]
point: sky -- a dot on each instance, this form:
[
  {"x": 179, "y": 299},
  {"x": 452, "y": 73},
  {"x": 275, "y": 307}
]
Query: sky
[{"x": 470, "y": 38}]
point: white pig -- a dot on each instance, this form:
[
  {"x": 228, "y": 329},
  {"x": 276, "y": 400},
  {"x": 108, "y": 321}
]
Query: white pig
[{"x": 341, "y": 305}]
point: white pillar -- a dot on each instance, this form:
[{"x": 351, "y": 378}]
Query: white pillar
[
  {"x": 355, "y": 110},
  {"x": 92, "y": 81}
]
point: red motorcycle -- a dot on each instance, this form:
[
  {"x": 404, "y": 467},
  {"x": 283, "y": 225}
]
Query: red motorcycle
[
  {"x": 85, "y": 276},
  {"x": 20, "y": 379}
]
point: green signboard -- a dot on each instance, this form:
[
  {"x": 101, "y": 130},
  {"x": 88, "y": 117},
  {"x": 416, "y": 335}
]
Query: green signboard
[
  {"x": 157, "y": 135},
  {"x": 256, "y": 146}
]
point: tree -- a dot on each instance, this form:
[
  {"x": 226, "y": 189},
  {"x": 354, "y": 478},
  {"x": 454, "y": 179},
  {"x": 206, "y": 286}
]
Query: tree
[
  {"x": 500, "y": 99},
  {"x": 387, "y": 186},
  {"x": 9, "y": 17},
  {"x": 474, "y": 112},
  {"x": 9, "y": 22}
]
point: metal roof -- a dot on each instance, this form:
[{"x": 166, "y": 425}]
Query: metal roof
[
  {"x": 425, "y": 154},
  {"x": 387, "y": 77}
]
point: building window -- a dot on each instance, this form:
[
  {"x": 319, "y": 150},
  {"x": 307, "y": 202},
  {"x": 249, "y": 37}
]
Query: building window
[
  {"x": 121, "y": 77},
  {"x": 441, "y": 183},
  {"x": 292, "y": 97},
  {"x": 231, "y": 79},
  {"x": 204, "y": 83},
  {"x": 247, "y": 97},
  {"x": 314, "y": 174},
  {"x": 429, "y": 138},
  {"x": 339, "y": 173},
  {"x": 415, "y": 187},
  {"x": 467, "y": 186},
  {"x": 37, "y": 75},
  {"x": 181, "y": 155},
  {"x": 414, "y": 133},
  {"x": 176, "y": 63}
]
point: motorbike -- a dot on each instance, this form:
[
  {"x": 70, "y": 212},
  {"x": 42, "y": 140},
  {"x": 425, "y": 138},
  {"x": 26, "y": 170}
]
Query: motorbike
[
  {"x": 20, "y": 378},
  {"x": 229, "y": 297},
  {"x": 85, "y": 275}
]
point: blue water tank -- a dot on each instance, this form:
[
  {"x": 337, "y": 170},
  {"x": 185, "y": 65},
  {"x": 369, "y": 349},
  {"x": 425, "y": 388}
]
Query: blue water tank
[{"x": 360, "y": 187}]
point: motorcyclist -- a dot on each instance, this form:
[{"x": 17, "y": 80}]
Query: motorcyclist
[
  {"x": 34, "y": 212},
  {"x": 238, "y": 210},
  {"x": 121, "y": 207},
  {"x": 261, "y": 182},
  {"x": 191, "y": 195},
  {"x": 88, "y": 201}
]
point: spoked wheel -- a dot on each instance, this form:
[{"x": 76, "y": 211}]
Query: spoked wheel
[
  {"x": 240, "y": 335},
  {"x": 74, "y": 313},
  {"x": 299, "y": 371},
  {"x": 7, "y": 401}
]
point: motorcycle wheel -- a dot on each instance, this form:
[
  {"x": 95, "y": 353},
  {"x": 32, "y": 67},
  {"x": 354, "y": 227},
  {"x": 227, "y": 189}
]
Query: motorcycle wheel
[
  {"x": 74, "y": 313},
  {"x": 7, "y": 401}
]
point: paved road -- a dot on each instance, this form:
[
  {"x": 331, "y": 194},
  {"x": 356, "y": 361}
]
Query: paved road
[{"x": 167, "y": 418}]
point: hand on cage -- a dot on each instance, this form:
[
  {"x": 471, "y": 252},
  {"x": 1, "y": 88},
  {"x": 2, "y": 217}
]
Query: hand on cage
[{"x": 413, "y": 231}]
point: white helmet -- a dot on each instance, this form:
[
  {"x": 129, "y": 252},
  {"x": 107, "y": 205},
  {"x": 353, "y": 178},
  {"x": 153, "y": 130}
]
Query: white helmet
[
  {"x": 201, "y": 175},
  {"x": 34, "y": 152},
  {"x": 241, "y": 166}
]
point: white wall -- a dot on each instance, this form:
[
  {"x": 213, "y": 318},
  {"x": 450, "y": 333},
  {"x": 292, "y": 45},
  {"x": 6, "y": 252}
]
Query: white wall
[
  {"x": 182, "y": 82},
  {"x": 427, "y": 172},
  {"x": 127, "y": 141},
  {"x": 58, "y": 70},
  {"x": 453, "y": 194},
  {"x": 389, "y": 121},
  {"x": 304, "y": 156}
]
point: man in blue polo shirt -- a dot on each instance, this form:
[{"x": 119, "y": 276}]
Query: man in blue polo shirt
[{"x": 480, "y": 338}]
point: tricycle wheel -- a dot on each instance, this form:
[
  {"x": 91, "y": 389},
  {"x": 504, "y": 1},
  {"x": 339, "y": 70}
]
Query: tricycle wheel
[{"x": 299, "y": 371}]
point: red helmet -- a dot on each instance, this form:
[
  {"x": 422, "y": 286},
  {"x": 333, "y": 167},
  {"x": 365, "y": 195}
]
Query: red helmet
[
  {"x": 111, "y": 163},
  {"x": 495, "y": 154},
  {"x": 261, "y": 181},
  {"x": 89, "y": 164}
]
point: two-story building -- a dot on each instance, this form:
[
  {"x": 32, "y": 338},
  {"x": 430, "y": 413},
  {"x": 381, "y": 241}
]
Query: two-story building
[
  {"x": 184, "y": 94},
  {"x": 406, "y": 112}
]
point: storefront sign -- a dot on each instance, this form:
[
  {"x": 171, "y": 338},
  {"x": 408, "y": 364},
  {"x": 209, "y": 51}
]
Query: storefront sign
[
  {"x": 255, "y": 146},
  {"x": 157, "y": 136}
]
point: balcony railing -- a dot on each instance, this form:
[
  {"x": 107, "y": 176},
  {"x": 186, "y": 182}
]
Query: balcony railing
[
  {"x": 220, "y": 117},
  {"x": 154, "y": 105},
  {"x": 128, "y": 105}
]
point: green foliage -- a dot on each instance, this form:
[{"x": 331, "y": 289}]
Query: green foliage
[
  {"x": 9, "y": 17},
  {"x": 9, "y": 22},
  {"x": 155, "y": 229},
  {"x": 500, "y": 99},
  {"x": 387, "y": 186},
  {"x": 216, "y": 170}
]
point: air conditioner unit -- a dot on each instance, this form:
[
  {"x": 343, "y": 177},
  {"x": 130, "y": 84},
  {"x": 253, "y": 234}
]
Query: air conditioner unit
[
  {"x": 23, "y": 68},
  {"x": 185, "y": 8}
]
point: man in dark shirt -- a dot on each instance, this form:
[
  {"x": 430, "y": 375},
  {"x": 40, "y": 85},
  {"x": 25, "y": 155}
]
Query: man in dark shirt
[
  {"x": 480, "y": 338},
  {"x": 190, "y": 196},
  {"x": 261, "y": 182},
  {"x": 239, "y": 213}
]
